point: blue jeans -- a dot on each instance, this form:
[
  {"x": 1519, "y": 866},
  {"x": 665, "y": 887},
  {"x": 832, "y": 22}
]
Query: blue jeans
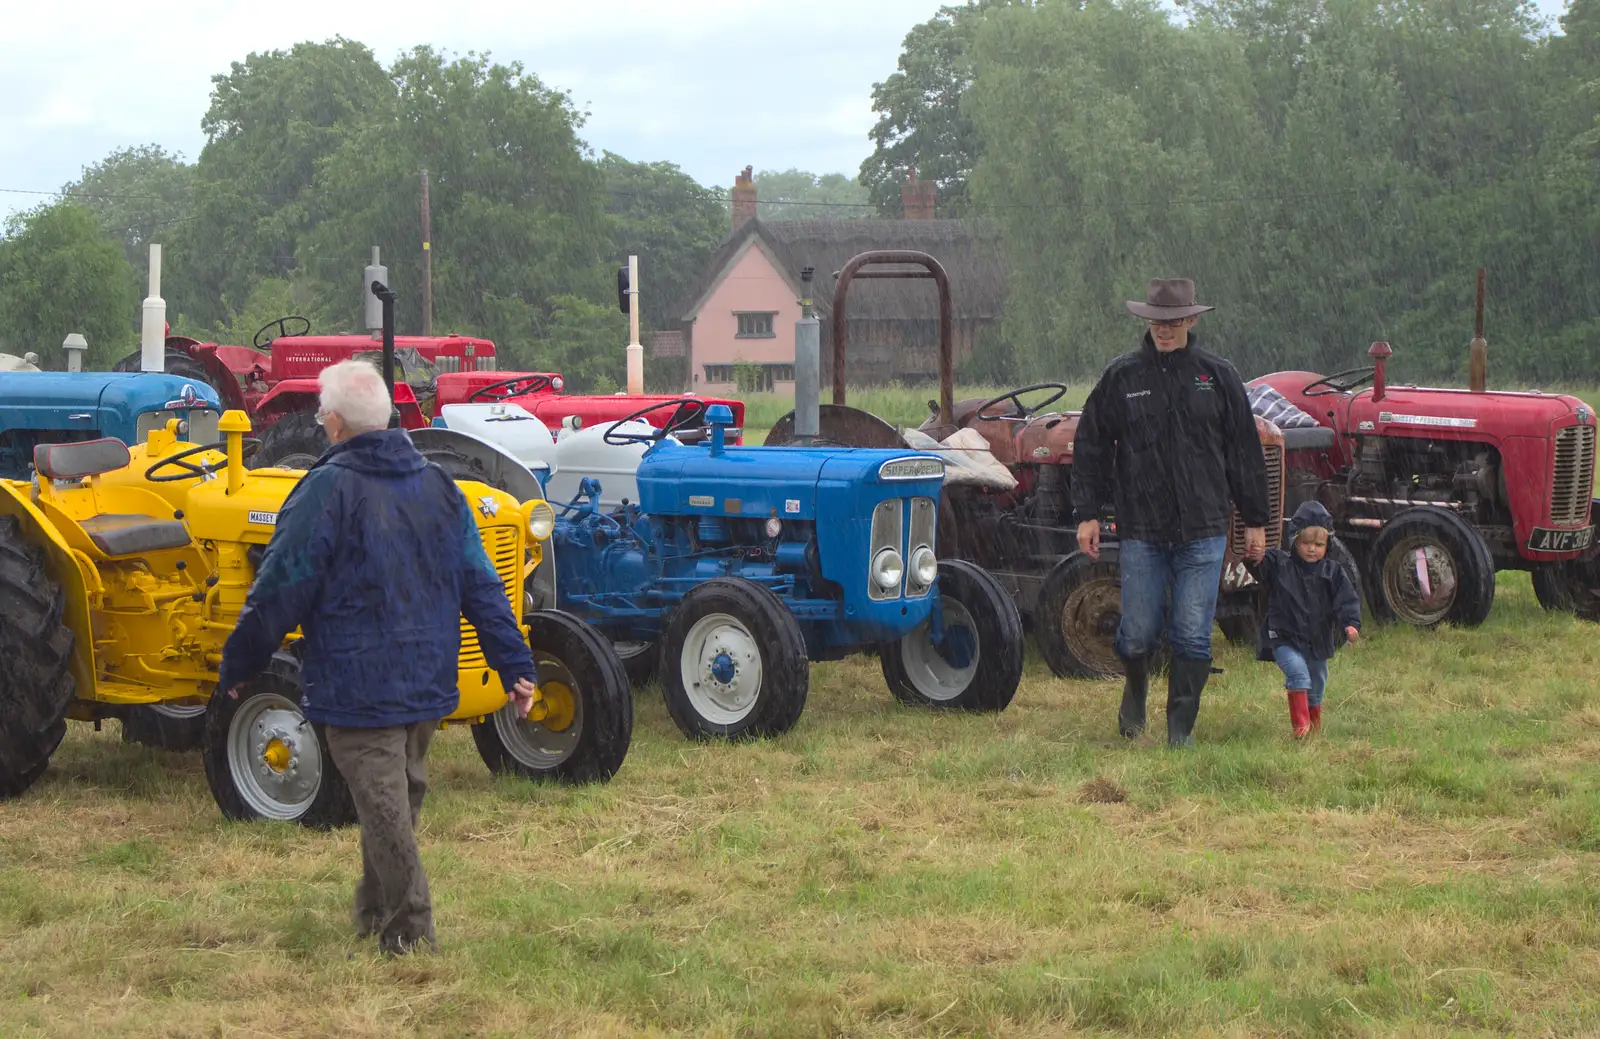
[
  {"x": 1171, "y": 588},
  {"x": 1302, "y": 671}
]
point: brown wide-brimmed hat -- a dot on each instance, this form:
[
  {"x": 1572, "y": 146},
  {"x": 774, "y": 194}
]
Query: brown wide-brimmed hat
[{"x": 1169, "y": 300}]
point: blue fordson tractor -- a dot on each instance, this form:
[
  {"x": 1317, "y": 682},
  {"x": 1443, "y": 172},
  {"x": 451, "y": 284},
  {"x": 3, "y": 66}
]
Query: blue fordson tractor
[{"x": 739, "y": 566}]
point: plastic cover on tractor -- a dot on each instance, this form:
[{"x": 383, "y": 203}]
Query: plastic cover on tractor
[
  {"x": 967, "y": 458},
  {"x": 411, "y": 368}
]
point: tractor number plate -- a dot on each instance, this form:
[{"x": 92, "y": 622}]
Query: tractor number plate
[{"x": 1545, "y": 540}]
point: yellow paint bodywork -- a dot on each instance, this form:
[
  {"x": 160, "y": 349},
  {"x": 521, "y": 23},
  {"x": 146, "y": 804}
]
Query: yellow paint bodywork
[{"x": 150, "y": 628}]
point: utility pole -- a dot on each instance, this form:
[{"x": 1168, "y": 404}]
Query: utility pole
[{"x": 427, "y": 262}]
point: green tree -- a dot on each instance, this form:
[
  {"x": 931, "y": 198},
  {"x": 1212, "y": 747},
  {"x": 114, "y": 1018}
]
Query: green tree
[
  {"x": 61, "y": 273},
  {"x": 660, "y": 214},
  {"x": 585, "y": 342},
  {"x": 140, "y": 195},
  {"x": 274, "y": 119},
  {"x": 798, "y": 195},
  {"x": 922, "y": 125}
]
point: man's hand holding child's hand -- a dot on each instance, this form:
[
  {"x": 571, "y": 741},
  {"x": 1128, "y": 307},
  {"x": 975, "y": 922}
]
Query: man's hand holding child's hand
[{"x": 1352, "y": 633}]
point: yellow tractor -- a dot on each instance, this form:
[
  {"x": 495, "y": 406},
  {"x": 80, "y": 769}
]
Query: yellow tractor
[{"x": 123, "y": 571}]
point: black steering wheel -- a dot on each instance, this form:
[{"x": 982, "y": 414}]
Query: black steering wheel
[
  {"x": 1339, "y": 382},
  {"x": 1015, "y": 397},
  {"x": 282, "y": 325},
  {"x": 508, "y": 388},
  {"x": 686, "y": 410},
  {"x": 190, "y": 470}
]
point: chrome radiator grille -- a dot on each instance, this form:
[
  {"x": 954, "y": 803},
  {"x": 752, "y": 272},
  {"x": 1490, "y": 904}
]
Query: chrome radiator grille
[{"x": 1572, "y": 480}]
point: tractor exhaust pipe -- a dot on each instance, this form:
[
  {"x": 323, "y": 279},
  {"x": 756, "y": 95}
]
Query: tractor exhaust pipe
[
  {"x": 1478, "y": 352},
  {"x": 380, "y": 290},
  {"x": 807, "y": 367},
  {"x": 153, "y": 329}
]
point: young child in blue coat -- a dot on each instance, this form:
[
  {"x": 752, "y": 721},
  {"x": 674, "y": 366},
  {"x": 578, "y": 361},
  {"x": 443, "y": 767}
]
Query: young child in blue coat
[{"x": 1312, "y": 610}]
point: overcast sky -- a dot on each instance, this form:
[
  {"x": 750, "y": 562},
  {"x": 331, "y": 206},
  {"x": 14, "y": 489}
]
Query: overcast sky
[{"x": 707, "y": 84}]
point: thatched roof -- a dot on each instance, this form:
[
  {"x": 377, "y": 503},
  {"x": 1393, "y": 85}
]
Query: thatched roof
[{"x": 968, "y": 250}]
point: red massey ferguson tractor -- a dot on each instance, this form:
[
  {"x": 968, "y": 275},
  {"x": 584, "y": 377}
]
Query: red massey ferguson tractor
[{"x": 1435, "y": 490}]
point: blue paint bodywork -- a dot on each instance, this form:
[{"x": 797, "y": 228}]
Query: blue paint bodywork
[
  {"x": 54, "y": 407},
  {"x": 703, "y": 513}
]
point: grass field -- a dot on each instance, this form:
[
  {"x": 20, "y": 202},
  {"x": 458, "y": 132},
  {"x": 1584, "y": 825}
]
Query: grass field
[{"x": 1429, "y": 866}]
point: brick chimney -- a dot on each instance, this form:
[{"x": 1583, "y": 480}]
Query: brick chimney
[
  {"x": 744, "y": 198},
  {"x": 917, "y": 197}
]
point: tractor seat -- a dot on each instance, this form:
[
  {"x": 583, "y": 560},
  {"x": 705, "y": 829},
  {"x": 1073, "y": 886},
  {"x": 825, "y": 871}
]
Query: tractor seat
[
  {"x": 135, "y": 535},
  {"x": 1307, "y": 438},
  {"x": 74, "y": 461}
]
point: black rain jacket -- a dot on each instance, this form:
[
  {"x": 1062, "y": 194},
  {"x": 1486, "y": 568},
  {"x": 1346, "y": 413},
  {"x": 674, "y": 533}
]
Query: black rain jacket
[
  {"x": 1308, "y": 604},
  {"x": 1170, "y": 440}
]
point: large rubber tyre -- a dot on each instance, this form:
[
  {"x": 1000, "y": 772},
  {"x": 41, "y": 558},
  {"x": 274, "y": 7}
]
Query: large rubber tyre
[
  {"x": 456, "y": 465},
  {"x": 1076, "y": 620},
  {"x": 1456, "y": 558},
  {"x": 264, "y": 760},
  {"x": 36, "y": 683},
  {"x": 1570, "y": 587},
  {"x": 1240, "y": 629},
  {"x": 587, "y": 736},
  {"x": 293, "y": 442},
  {"x": 980, "y": 665},
  {"x": 164, "y": 726},
  {"x": 173, "y": 363},
  {"x": 734, "y": 663}
]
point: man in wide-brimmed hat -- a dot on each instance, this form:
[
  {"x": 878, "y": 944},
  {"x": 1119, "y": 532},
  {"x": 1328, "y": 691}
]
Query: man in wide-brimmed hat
[{"x": 1167, "y": 436}]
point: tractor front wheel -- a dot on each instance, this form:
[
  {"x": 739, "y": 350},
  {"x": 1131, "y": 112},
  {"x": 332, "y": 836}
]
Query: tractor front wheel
[
  {"x": 589, "y": 725},
  {"x": 177, "y": 727},
  {"x": 295, "y": 441},
  {"x": 265, "y": 760},
  {"x": 977, "y": 664},
  {"x": 735, "y": 664},
  {"x": 1570, "y": 587},
  {"x": 1428, "y": 567},
  {"x": 36, "y": 683}
]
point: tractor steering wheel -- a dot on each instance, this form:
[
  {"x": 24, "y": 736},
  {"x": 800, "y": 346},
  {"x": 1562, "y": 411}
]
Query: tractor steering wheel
[
  {"x": 250, "y": 444},
  {"x": 1015, "y": 397},
  {"x": 686, "y": 411},
  {"x": 1337, "y": 382},
  {"x": 508, "y": 388},
  {"x": 282, "y": 325}
]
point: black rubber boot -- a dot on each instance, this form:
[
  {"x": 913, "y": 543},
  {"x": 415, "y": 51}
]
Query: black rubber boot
[
  {"x": 1135, "y": 689},
  {"x": 1186, "y": 680}
]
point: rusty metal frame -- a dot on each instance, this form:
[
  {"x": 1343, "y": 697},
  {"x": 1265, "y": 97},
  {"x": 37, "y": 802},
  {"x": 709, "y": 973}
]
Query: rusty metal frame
[{"x": 931, "y": 269}]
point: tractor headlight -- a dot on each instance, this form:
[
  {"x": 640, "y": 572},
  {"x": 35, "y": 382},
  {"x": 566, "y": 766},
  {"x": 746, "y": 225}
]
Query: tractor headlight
[
  {"x": 541, "y": 521},
  {"x": 925, "y": 566},
  {"x": 887, "y": 569}
]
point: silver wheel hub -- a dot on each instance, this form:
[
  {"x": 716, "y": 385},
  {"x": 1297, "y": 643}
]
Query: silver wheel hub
[
  {"x": 932, "y": 672},
  {"x": 274, "y": 757},
  {"x": 721, "y": 669},
  {"x": 535, "y": 744}
]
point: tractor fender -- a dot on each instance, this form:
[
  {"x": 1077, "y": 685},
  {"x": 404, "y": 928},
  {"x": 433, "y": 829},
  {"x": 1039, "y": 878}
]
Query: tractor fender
[
  {"x": 504, "y": 470},
  {"x": 72, "y": 569},
  {"x": 222, "y": 378}
]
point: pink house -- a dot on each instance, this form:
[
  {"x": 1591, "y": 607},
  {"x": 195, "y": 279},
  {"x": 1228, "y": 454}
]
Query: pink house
[{"x": 744, "y": 309}]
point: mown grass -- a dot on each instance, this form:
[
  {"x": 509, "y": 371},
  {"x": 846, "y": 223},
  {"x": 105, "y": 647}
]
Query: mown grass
[{"x": 1427, "y": 867}]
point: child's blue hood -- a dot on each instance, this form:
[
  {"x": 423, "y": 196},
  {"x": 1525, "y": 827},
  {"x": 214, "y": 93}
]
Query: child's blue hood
[{"x": 1309, "y": 514}]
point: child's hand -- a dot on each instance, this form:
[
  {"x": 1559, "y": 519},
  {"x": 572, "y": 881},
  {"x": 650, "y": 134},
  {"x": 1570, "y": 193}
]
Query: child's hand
[{"x": 1353, "y": 634}]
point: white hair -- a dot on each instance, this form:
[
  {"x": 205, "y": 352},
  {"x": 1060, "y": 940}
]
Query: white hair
[{"x": 355, "y": 392}]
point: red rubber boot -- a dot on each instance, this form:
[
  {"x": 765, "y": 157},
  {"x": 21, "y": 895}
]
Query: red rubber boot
[
  {"x": 1316, "y": 718},
  {"x": 1299, "y": 713}
]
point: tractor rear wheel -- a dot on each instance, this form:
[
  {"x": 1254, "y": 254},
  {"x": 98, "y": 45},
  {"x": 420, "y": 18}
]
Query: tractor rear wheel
[
  {"x": 734, "y": 663},
  {"x": 177, "y": 727},
  {"x": 640, "y": 660},
  {"x": 295, "y": 441},
  {"x": 978, "y": 664},
  {"x": 36, "y": 683},
  {"x": 586, "y": 735},
  {"x": 265, "y": 760},
  {"x": 174, "y": 363},
  {"x": 1569, "y": 587},
  {"x": 1428, "y": 567},
  {"x": 1076, "y": 621}
]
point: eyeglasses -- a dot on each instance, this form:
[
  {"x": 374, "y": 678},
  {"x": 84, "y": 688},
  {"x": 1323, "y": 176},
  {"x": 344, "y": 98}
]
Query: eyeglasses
[
  {"x": 321, "y": 416},
  {"x": 1175, "y": 323}
]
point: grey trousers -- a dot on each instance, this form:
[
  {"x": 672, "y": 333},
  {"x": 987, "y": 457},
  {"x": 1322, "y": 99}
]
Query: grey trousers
[{"x": 386, "y": 772}]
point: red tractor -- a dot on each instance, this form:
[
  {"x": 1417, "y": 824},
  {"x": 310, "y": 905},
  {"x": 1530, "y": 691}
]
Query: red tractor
[
  {"x": 1026, "y": 536},
  {"x": 1437, "y": 489}
]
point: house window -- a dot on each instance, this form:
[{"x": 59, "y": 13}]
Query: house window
[
  {"x": 719, "y": 373},
  {"x": 755, "y": 324},
  {"x": 750, "y": 377}
]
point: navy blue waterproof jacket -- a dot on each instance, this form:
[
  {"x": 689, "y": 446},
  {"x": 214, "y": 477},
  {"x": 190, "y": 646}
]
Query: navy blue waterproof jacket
[
  {"x": 376, "y": 558},
  {"x": 1308, "y": 604}
]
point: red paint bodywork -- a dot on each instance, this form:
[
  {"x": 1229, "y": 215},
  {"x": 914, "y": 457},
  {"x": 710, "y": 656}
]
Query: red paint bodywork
[
  {"x": 551, "y": 409},
  {"x": 1520, "y": 426}
]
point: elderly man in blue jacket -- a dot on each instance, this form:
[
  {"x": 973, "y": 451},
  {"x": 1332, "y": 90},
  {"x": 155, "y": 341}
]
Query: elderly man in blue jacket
[{"x": 376, "y": 557}]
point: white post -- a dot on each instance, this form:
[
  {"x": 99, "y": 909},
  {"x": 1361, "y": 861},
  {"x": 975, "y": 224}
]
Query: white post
[
  {"x": 74, "y": 345},
  {"x": 635, "y": 349},
  {"x": 153, "y": 332}
]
